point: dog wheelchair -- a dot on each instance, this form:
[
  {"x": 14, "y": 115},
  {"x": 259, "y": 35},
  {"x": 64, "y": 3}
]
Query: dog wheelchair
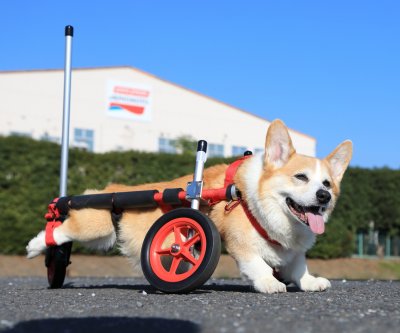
[{"x": 181, "y": 249}]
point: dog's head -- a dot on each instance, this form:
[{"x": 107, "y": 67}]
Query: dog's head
[{"x": 305, "y": 188}]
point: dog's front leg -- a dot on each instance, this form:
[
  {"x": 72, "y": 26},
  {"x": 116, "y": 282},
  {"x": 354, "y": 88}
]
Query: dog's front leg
[
  {"x": 257, "y": 270},
  {"x": 297, "y": 272}
]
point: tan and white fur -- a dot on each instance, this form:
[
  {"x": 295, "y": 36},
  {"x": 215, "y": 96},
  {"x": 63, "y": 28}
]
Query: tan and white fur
[{"x": 291, "y": 196}]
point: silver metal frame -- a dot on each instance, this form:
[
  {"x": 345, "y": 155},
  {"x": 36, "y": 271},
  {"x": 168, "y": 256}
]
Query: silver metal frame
[
  {"x": 66, "y": 111},
  {"x": 194, "y": 188}
]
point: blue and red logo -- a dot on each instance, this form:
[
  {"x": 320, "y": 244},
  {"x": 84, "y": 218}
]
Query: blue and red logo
[{"x": 125, "y": 107}]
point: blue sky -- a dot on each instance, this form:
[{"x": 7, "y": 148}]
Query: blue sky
[{"x": 330, "y": 69}]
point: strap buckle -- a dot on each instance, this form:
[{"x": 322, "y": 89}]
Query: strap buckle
[{"x": 232, "y": 204}]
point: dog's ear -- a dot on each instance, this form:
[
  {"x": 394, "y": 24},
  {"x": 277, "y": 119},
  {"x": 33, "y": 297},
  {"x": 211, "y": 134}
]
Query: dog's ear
[
  {"x": 339, "y": 159},
  {"x": 278, "y": 145}
]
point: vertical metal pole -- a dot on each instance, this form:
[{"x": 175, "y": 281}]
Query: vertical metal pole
[
  {"x": 69, "y": 32},
  {"x": 201, "y": 158}
]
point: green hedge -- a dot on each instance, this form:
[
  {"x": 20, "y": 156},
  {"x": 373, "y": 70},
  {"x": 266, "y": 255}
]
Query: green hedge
[{"x": 29, "y": 178}]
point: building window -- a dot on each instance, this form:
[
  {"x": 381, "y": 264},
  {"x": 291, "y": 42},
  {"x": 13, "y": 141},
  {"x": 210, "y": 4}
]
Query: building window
[
  {"x": 166, "y": 146},
  {"x": 84, "y": 138},
  {"x": 22, "y": 134},
  {"x": 238, "y": 151},
  {"x": 215, "y": 150},
  {"x": 50, "y": 138}
]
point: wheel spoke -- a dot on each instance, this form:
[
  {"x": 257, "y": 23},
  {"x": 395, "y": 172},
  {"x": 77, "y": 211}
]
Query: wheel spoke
[
  {"x": 192, "y": 241},
  {"x": 174, "y": 265},
  {"x": 188, "y": 256},
  {"x": 178, "y": 235},
  {"x": 164, "y": 252}
]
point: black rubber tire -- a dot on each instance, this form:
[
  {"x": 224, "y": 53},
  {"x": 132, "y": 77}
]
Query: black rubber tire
[
  {"x": 207, "y": 266},
  {"x": 57, "y": 260}
]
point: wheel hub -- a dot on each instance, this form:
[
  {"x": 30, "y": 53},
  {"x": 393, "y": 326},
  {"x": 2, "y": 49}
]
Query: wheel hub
[{"x": 175, "y": 249}]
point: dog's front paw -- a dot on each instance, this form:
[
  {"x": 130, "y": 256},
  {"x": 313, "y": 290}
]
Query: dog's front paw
[
  {"x": 312, "y": 283},
  {"x": 269, "y": 285}
]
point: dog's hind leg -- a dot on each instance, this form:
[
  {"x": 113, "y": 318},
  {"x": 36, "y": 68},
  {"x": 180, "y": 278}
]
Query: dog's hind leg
[{"x": 92, "y": 227}]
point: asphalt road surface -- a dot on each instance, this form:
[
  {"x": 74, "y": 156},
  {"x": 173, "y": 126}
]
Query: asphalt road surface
[{"x": 130, "y": 305}]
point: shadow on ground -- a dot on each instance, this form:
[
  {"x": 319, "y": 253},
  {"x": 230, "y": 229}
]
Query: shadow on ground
[
  {"x": 201, "y": 290},
  {"x": 105, "y": 324}
]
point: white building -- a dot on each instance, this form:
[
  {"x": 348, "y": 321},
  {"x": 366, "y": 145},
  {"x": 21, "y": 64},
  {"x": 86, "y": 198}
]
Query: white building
[{"x": 123, "y": 108}]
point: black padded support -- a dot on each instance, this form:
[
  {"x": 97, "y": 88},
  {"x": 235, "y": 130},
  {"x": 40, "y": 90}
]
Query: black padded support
[
  {"x": 112, "y": 201},
  {"x": 171, "y": 196},
  {"x": 102, "y": 201},
  {"x": 62, "y": 205},
  {"x": 136, "y": 199}
]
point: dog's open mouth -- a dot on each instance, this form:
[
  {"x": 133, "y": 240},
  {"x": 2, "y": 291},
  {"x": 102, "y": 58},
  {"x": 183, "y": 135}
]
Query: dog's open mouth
[{"x": 308, "y": 215}]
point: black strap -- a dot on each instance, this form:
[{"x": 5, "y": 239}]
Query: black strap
[{"x": 116, "y": 215}]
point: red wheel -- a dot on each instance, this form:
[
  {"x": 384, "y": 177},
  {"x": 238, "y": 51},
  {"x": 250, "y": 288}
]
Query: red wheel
[
  {"x": 171, "y": 240},
  {"x": 180, "y": 251}
]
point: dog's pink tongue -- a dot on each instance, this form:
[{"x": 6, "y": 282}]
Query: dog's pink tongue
[{"x": 316, "y": 223}]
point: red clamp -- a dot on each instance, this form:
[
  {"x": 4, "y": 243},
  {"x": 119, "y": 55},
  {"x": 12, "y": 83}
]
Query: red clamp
[{"x": 53, "y": 221}]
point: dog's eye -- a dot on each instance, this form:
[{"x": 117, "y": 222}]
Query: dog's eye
[
  {"x": 326, "y": 183},
  {"x": 302, "y": 177}
]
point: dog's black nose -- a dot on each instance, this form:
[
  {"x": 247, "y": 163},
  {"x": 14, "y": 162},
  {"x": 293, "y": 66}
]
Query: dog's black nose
[{"x": 323, "y": 196}]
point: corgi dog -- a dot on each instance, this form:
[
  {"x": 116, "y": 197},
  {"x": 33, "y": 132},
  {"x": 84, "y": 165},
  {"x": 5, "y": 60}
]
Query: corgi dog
[{"x": 289, "y": 195}]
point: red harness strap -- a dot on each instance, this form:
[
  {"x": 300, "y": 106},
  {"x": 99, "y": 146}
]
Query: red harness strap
[
  {"x": 257, "y": 225},
  {"x": 229, "y": 175},
  {"x": 232, "y": 168}
]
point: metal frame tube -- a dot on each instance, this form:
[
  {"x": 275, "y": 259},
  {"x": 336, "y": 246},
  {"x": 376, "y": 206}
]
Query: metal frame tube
[
  {"x": 69, "y": 32},
  {"x": 201, "y": 158}
]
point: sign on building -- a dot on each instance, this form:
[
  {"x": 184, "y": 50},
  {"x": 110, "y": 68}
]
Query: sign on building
[{"x": 129, "y": 101}]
